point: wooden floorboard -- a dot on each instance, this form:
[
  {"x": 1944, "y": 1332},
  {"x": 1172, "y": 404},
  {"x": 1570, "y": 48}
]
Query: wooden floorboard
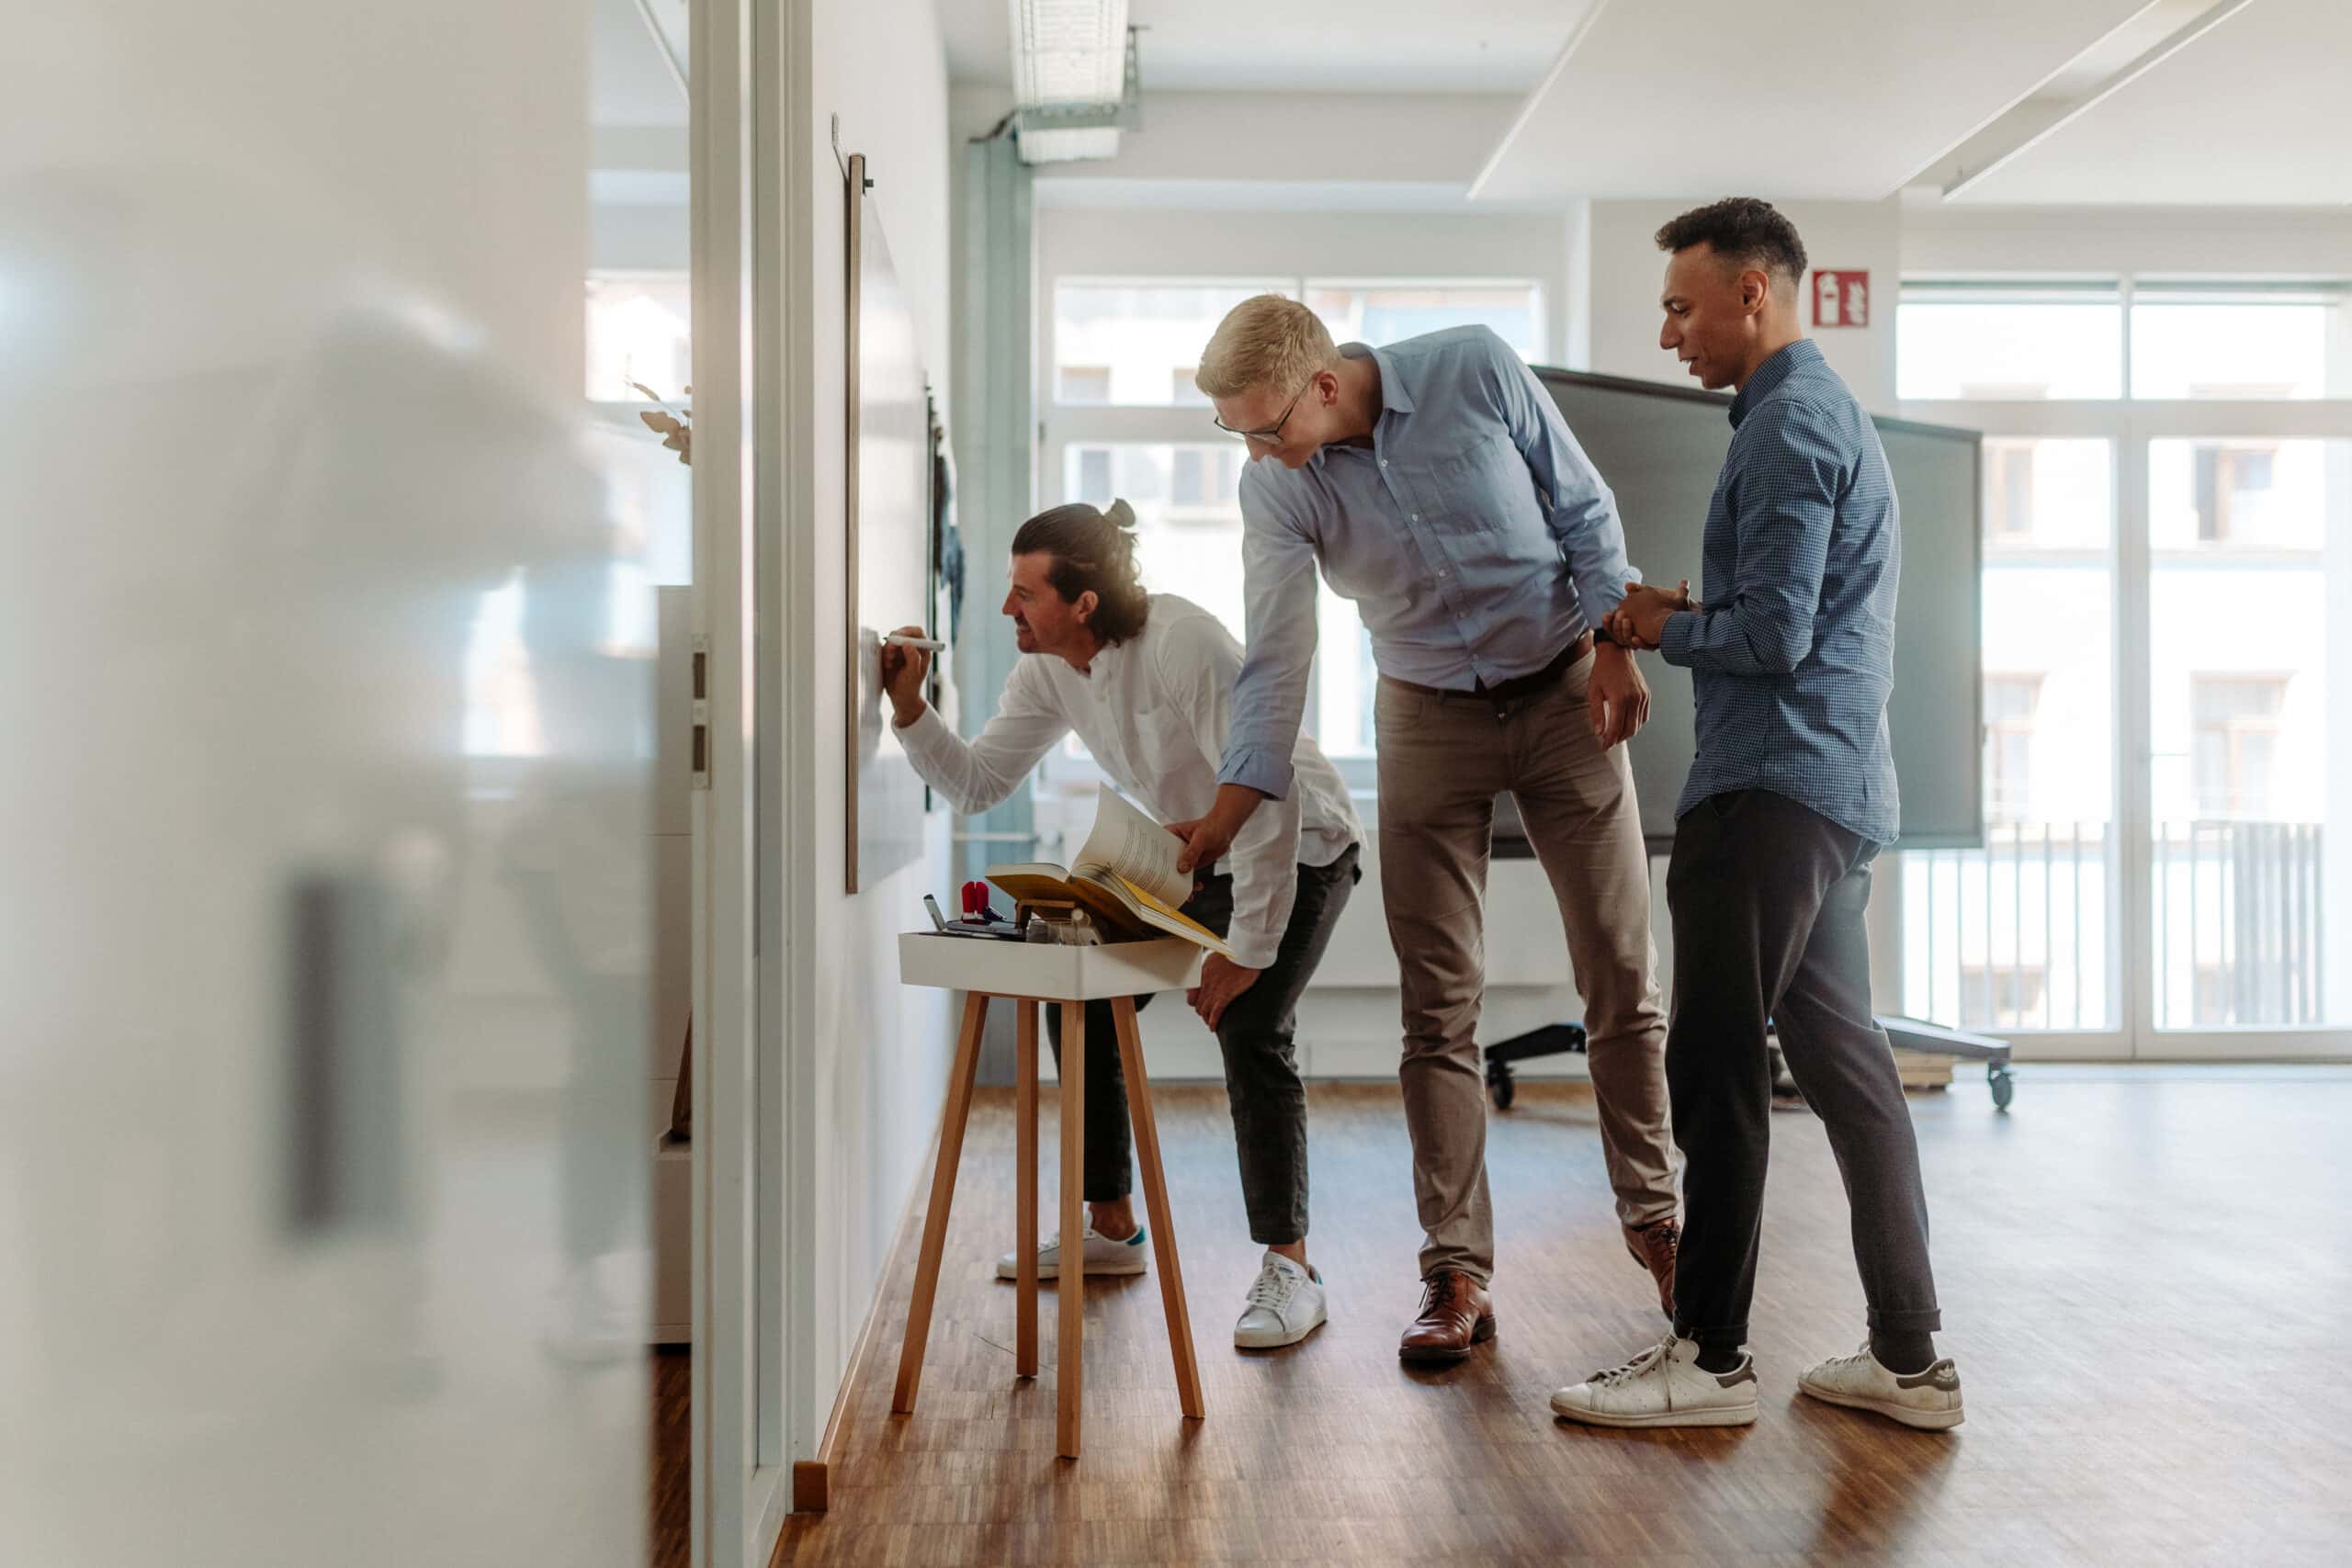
[
  {"x": 2147, "y": 1284},
  {"x": 669, "y": 1375}
]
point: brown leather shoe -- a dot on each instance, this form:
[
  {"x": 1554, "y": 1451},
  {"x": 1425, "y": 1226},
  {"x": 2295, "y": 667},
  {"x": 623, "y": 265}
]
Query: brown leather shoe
[
  {"x": 1654, "y": 1247},
  {"x": 1456, "y": 1312}
]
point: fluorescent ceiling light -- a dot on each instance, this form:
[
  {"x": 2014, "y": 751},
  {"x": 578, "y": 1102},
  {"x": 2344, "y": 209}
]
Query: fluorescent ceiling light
[
  {"x": 1074, "y": 79},
  {"x": 1069, "y": 146},
  {"x": 1069, "y": 53}
]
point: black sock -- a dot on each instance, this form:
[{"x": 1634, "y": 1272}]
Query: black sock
[
  {"x": 1903, "y": 1354},
  {"x": 1719, "y": 1358}
]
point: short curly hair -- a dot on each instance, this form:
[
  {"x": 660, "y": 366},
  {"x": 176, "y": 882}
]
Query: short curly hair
[{"x": 1744, "y": 228}]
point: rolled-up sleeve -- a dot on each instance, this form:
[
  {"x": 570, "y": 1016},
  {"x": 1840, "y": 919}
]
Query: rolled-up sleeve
[
  {"x": 1278, "y": 597},
  {"x": 1579, "y": 506},
  {"x": 983, "y": 772}
]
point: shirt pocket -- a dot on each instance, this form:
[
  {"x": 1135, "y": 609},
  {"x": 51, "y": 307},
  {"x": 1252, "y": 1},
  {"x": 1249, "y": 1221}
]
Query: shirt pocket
[{"x": 1486, "y": 489}]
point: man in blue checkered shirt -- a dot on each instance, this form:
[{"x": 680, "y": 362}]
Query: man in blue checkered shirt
[{"x": 1791, "y": 795}]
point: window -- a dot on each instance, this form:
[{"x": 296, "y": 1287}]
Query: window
[
  {"x": 2008, "y": 491},
  {"x": 1083, "y": 383},
  {"x": 1133, "y": 343},
  {"x": 640, "y": 332},
  {"x": 1091, "y": 481},
  {"x": 2004, "y": 996},
  {"x": 2232, "y": 704},
  {"x": 2010, "y": 704},
  {"x": 2233, "y": 722},
  {"x": 2232, "y": 483},
  {"x": 1961, "y": 339},
  {"x": 2015, "y": 339},
  {"x": 1379, "y": 312},
  {"x": 1205, "y": 478},
  {"x": 1136, "y": 343},
  {"x": 2218, "y": 341},
  {"x": 1127, "y": 422}
]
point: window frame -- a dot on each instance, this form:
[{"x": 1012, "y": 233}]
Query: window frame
[
  {"x": 2132, "y": 425},
  {"x": 1063, "y": 426}
]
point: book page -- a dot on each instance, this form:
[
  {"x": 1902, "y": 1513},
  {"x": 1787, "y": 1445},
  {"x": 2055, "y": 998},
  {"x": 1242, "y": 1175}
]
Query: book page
[{"x": 1125, "y": 842}]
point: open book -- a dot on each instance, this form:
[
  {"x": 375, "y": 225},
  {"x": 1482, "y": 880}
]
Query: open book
[{"x": 1125, "y": 874}]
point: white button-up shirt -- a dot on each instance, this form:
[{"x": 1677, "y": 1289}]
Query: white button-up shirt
[{"x": 1154, "y": 711}]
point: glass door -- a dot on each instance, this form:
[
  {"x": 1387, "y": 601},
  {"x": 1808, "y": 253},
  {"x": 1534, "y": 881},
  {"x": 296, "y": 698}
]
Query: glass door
[{"x": 2249, "y": 740}]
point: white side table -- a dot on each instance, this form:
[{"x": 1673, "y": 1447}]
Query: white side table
[{"x": 1026, "y": 974}]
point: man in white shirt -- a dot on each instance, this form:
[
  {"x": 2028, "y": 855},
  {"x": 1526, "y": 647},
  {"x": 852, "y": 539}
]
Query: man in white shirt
[{"x": 1147, "y": 682}]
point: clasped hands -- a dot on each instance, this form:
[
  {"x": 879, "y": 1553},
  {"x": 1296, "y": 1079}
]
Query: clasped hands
[{"x": 1639, "y": 619}]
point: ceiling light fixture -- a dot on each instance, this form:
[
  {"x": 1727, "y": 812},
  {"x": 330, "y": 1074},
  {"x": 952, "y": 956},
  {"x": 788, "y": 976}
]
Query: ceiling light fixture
[{"x": 1074, "y": 84}]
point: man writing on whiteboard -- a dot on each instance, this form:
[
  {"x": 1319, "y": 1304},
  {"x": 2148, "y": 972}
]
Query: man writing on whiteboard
[
  {"x": 1791, "y": 793},
  {"x": 1146, "y": 681},
  {"x": 1434, "y": 483}
]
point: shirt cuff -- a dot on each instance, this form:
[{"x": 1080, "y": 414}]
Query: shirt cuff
[
  {"x": 1674, "y": 639},
  {"x": 1259, "y": 769},
  {"x": 1254, "y": 950}
]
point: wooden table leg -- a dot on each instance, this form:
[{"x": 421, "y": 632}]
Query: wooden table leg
[
  {"x": 1024, "y": 1119},
  {"x": 1070, "y": 1287},
  {"x": 943, "y": 1197},
  {"x": 1154, "y": 1197}
]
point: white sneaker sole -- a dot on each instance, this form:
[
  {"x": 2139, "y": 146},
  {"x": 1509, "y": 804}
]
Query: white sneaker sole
[
  {"x": 1710, "y": 1416},
  {"x": 1245, "y": 1341},
  {"x": 1923, "y": 1420},
  {"x": 1005, "y": 1270}
]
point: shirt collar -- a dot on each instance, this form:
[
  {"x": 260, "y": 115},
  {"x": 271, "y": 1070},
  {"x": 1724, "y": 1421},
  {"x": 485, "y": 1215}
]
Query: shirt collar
[
  {"x": 1771, "y": 373},
  {"x": 1394, "y": 398}
]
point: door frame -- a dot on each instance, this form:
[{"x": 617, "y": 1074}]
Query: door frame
[
  {"x": 2129, "y": 426},
  {"x": 753, "y": 305}
]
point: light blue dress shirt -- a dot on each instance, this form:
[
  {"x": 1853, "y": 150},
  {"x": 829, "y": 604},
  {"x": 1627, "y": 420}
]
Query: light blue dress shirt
[
  {"x": 1793, "y": 661},
  {"x": 1472, "y": 534}
]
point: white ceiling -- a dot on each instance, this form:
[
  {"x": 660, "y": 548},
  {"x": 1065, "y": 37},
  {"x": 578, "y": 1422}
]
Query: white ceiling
[
  {"x": 1397, "y": 46},
  {"x": 1849, "y": 104},
  {"x": 630, "y": 83},
  {"x": 2257, "y": 112}
]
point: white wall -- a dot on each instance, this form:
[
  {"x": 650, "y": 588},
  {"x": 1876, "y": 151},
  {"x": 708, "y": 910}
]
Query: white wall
[
  {"x": 882, "y": 1051},
  {"x": 1627, "y": 268},
  {"x": 2191, "y": 241}
]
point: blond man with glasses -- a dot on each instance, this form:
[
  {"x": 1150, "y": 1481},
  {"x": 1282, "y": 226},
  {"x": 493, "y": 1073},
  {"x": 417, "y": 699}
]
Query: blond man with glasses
[{"x": 1433, "y": 483}]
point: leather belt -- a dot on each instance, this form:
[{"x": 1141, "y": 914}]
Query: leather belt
[{"x": 1518, "y": 686}]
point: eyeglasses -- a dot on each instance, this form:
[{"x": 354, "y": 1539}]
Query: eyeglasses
[{"x": 1273, "y": 434}]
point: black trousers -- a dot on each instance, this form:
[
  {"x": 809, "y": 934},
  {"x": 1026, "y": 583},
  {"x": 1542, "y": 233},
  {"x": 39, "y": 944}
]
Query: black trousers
[
  {"x": 1257, "y": 1037},
  {"x": 1767, "y": 899}
]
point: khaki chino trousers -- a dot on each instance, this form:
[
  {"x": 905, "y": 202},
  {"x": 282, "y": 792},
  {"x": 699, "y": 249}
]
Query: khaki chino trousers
[{"x": 1443, "y": 760}]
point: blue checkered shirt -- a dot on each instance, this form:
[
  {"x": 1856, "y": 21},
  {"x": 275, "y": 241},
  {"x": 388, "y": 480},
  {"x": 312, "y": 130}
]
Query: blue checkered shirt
[{"x": 1792, "y": 659}]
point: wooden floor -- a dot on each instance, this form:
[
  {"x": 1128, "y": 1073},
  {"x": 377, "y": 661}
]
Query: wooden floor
[
  {"x": 2147, "y": 1284},
  {"x": 668, "y": 1501}
]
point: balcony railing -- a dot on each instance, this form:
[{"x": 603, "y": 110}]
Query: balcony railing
[
  {"x": 2240, "y": 925},
  {"x": 2013, "y": 936},
  {"x": 2017, "y": 936}
]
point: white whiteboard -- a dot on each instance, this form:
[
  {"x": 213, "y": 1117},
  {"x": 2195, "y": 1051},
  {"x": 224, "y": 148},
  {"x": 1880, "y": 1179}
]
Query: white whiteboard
[{"x": 888, "y": 556}]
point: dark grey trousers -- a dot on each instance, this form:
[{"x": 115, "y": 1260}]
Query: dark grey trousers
[
  {"x": 1262, "y": 1080},
  {"x": 1768, "y": 900}
]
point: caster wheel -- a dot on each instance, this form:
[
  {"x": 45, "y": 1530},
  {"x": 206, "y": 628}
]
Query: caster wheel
[
  {"x": 1502, "y": 1089},
  {"x": 2005, "y": 1088}
]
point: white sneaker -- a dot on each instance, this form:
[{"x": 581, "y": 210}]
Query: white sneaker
[
  {"x": 1286, "y": 1304},
  {"x": 1103, "y": 1256},
  {"x": 1928, "y": 1399},
  {"x": 1663, "y": 1386}
]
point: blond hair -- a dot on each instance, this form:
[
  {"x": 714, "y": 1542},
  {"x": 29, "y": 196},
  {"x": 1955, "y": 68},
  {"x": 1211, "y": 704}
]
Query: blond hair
[{"x": 1265, "y": 339}]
